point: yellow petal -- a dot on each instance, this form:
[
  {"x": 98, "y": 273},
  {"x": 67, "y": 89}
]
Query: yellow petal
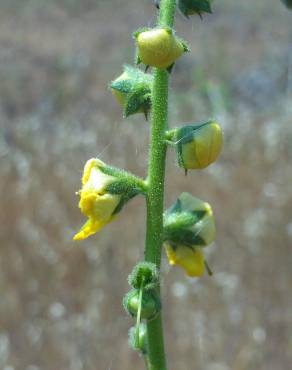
[
  {"x": 91, "y": 163},
  {"x": 89, "y": 228},
  {"x": 191, "y": 203},
  {"x": 205, "y": 147},
  {"x": 98, "y": 207},
  {"x": 190, "y": 259}
]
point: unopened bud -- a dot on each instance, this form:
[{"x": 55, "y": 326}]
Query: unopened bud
[{"x": 159, "y": 47}]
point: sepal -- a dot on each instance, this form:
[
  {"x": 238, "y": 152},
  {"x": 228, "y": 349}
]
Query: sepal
[
  {"x": 288, "y": 3},
  {"x": 138, "y": 338},
  {"x": 133, "y": 91},
  {"x": 190, "y": 7},
  {"x": 144, "y": 274},
  {"x": 149, "y": 304},
  {"x": 138, "y": 101},
  {"x": 189, "y": 221}
]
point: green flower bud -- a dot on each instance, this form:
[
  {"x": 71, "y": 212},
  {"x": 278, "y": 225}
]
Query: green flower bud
[
  {"x": 190, "y": 7},
  {"x": 150, "y": 304},
  {"x": 132, "y": 89},
  {"x": 198, "y": 145},
  {"x": 144, "y": 274},
  {"x": 188, "y": 227},
  {"x": 288, "y": 3},
  {"x": 189, "y": 221},
  {"x": 159, "y": 47},
  {"x": 139, "y": 343}
]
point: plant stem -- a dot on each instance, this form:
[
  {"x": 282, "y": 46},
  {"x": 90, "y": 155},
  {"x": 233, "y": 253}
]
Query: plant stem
[{"x": 155, "y": 195}]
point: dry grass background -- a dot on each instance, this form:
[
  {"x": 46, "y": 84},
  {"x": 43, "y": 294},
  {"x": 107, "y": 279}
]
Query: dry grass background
[{"x": 60, "y": 303}]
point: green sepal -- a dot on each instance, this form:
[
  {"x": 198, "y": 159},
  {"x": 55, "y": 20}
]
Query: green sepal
[
  {"x": 123, "y": 86},
  {"x": 168, "y": 29},
  {"x": 125, "y": 199},
  {"x": 184, "y": 222},
  {"x": 183, "y": 237},
  {"x": 138, "y": 59},
  {"x": 138, "y": 100},
  {"x": 140, "y": 30},
  {"x": 288, "y": 3},
  {"x": 177, "y": 228},
  {"x": 185, "y": 45},
  {"x": 144, "y": 274},
  {"x": 140, "y": 343},
  {"x": 197, "y": 6},
  {"x": 126, "y": 185},
  {"x": 150, "y": 305},
  {"x": 170, "y": 68},
  {"x": 126, "y": 189}
]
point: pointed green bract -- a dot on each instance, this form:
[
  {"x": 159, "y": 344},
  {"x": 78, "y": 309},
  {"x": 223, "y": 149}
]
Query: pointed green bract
[
  {"x": 288, "y": 3},
  {"x": 190, "y": 7},
  {"x": 133, "y": 91}
]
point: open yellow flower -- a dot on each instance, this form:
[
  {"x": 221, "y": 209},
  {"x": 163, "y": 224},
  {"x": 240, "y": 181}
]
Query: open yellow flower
[
  {"x": 189, "y": 258},
  {"x": 95, "y": 202}
]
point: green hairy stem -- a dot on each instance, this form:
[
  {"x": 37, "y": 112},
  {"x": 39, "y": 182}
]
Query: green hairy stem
[{"x": 155, "y": 195}]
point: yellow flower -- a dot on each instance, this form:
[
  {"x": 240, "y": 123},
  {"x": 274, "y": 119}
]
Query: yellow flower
[
  {"x": 201, "y": 147},
  {"x": 95, "y": 202},
  {"x": 189, "y": 258},
  {"x": 159, "y": 47},
  {"x": 189, "y": 226}
]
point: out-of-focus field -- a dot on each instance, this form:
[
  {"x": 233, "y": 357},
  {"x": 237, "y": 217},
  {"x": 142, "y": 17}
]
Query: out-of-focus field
[{"x": 60, "y": 302}]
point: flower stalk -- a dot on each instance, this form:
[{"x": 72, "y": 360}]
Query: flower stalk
[{"x": 155, "y": 194}]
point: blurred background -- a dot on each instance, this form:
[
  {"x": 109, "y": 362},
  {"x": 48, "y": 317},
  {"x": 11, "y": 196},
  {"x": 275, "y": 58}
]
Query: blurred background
[{"x": 60, "y": 302}]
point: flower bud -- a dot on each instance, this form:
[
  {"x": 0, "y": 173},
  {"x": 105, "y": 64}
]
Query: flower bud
[
  {"x": 189, "y": 221},
  {"x": 288, "y": 3},
  {"x": 132, "y": 89},
  {"x": 144, "y": 274},
  {"x": 198, "y": 145},
  {"x": 139, "y": 343},
  {"x": 150, "y": 304},
  {"x": 104, "y": 192},
  {"x": 159, "y": 47},
  {"x": 188, "y": 227},
  {"x": 190, "y": 7}
]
